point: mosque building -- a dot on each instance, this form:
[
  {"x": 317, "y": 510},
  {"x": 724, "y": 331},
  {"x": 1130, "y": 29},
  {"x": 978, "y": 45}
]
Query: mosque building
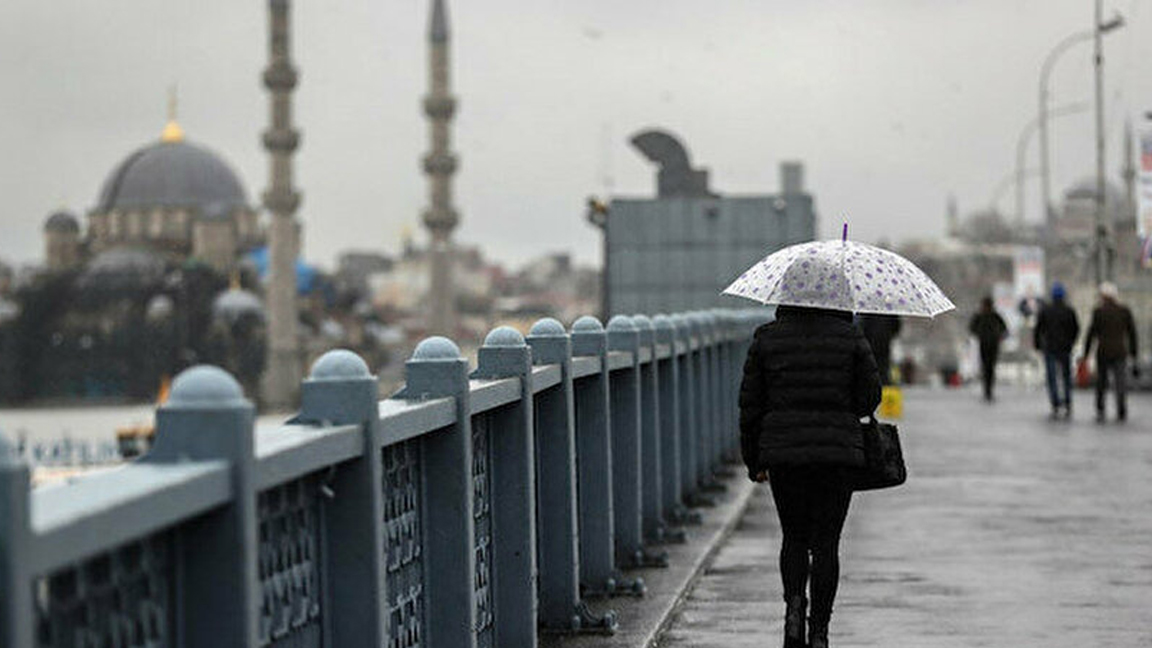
[
  {"x": 171, "y": 198},
  {"x": 154, "y": 280}
]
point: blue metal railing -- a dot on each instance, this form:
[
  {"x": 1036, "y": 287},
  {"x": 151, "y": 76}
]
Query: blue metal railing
[{"x": 471, "y": 509}]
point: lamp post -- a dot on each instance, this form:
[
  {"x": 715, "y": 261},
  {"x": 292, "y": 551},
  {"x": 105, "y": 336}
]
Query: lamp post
[
  {"x": 1045, "y": 74},
  {"x": 1022, "y": 148},
  {"x": 1103, "y": 267}
]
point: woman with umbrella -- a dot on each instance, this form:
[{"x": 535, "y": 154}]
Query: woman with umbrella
[{"x": 808, "y": 380}]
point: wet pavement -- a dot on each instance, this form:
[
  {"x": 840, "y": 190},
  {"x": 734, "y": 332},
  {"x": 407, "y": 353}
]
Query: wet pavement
[{"x": 1012, "y": 530}]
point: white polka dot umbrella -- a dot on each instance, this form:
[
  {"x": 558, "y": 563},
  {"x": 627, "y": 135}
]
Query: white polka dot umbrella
[{"x": 842, "y": 275}]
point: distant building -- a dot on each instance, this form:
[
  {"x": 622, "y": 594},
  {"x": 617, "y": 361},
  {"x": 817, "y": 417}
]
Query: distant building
[
  {"x": 677, "y": 251},
  {"x": 401, "y": 293},
  {"x": 141, "y": 289},
  {"x": 354, "y": 268},
  {"x": 171, "y": 198},
  {"x": 1072, "y": 254},
  {"x": 548, "y": 286}
]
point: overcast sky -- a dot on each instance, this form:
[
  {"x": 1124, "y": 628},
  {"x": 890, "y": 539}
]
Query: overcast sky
[{"x": 892, "y": 104}]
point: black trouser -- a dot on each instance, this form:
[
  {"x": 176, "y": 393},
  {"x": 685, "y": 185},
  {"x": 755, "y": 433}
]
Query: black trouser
[
  {"x": 812, "y": 502},
  {"x": 988, "y": 356},
  {"x": 1118, "y": 369}
]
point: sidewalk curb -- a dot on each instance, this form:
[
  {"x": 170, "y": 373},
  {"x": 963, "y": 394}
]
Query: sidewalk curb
[{"x": 652, "y": 639}]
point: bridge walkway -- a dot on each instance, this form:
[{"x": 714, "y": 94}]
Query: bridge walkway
[{"x": 1013, "y": 530}]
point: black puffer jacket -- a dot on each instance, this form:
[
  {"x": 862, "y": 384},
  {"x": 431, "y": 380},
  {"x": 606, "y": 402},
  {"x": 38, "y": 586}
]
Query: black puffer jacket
[
  {"x": 1056, "y": 328},
  {"x": 809, "y": 378}
]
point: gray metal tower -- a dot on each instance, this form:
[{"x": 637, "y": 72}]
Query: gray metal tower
[
  {"x": 439, "y": 165},
  {"x": 283, "y": 370}
]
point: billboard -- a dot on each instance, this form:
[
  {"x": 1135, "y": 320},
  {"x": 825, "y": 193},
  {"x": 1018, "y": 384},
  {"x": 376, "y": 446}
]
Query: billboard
[{"x": 1144, "y": 196}]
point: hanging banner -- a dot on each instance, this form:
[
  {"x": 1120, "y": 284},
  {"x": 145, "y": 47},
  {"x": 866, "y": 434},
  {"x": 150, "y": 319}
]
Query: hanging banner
[{"x": 1144, "y": 197}]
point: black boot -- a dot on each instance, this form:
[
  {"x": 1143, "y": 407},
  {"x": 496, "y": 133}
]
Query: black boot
[
  {"x": 794, "y": 620},
  {"x": 818, "y": 635}
]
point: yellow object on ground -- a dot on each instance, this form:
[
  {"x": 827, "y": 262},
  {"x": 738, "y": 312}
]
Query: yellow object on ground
[{"x": 891, "y": 403}]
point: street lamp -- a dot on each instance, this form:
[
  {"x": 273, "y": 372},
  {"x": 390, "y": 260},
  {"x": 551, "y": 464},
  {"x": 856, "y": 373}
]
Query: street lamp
[
  {"x": 1045, "y": 74},
  {"x": 1022, "y": 148},
  {"x": 1007, "y": 182},
  {"x": 1103, "y": 268}
]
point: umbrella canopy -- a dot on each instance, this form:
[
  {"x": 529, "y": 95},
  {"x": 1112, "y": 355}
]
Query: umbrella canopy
[{"x": 842, "y": 275}]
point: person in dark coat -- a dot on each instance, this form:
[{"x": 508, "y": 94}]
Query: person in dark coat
[
  {"x": 1115, "y": 330},
  {"x": 808, "y": 379},
  {"x": 1056, "y": 331},
  {"x": 990, "y": 330},
  {"x": 879, "y": 331}
]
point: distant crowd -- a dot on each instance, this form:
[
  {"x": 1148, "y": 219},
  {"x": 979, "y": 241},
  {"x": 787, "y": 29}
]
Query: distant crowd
[{"x": 1110, "y": 336}]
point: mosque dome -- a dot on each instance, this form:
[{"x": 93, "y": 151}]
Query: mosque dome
[
  {"x": 173, "y": 173},
  {"x": 62, "y": 221},
  {"x": 159, "y": 307},
  {"x": 123, "y": 269},
  {"x": 235, "y": 303},
  {"x": 1085, "y": 189}
]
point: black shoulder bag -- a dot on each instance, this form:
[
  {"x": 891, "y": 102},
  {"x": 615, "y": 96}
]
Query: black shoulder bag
[{"x": 883, "y": 458}]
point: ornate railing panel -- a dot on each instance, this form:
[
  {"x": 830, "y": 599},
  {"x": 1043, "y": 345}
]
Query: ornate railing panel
[
  {"x": 289, "y": 558},
  {"x": 482, "y": 518},
  {"x": 123, "y": 597},
  {"x": 403, "y": 539},
  {"x": 407, "y": 523}
]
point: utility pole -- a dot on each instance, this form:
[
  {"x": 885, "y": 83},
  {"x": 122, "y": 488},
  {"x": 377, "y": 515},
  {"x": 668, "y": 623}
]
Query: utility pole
[{"x": 1101, "y": 241}]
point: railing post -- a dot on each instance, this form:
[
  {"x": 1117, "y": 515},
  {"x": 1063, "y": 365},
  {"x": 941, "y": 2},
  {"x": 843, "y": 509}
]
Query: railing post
[
  {"x": 505, "y": 355},
  {"x": 16, "y": 611},
  {"x": 206, "y": 418},
  {"x": 650, "y": 439},
  {"x": 436, "y": 370},
  {"x": 712, "y": 370},
  {"x": 594, "y": 466},
  {"x": 624, "y": 404},
  {"x": 341, "y": 390},
  {"x": 668, "y": 376},
  {"x": 628, "y": 449},
  {"x": 737, "y": 350},
  {"x": 708, "y": 404},
  {"x": 731, "y": 385},
  {"x": 719, "y": 371},
  {"x": 557, "y": 528},
  {"x": 688, "y": 372}
]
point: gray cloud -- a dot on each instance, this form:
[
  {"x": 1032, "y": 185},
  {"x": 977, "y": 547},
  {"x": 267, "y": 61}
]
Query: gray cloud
[{"x": 892, "y": 104}]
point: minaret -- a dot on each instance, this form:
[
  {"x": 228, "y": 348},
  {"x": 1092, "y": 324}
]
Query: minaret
[
  {"x": 439, "y": 165},
  {"x": 953, "y": 216},
  {"x": 283, "y": 369}
]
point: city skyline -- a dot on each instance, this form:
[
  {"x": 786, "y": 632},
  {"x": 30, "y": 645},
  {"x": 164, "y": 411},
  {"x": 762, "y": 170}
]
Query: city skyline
[{"x": 900, "y": 111}]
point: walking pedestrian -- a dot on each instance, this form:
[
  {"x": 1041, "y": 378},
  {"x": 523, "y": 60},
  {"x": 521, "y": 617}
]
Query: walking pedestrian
[
  {"x": 990, "y": 330},
  {"x": 1113, "y": 331},
  {"x": 1056, "y": 331},
  {"x": 808, "y": 379},
  {"x": 879, "y": 330}
]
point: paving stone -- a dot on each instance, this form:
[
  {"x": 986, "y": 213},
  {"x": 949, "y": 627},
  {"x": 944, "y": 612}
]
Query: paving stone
[{"x": 1012, "y": 530}]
